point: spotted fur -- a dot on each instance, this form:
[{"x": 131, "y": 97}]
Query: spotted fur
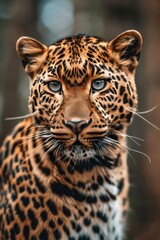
[{"x": 63, "y": 170}]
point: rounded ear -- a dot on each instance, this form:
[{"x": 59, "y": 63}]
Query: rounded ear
[
  {"x": 127, "y": 47},
  {"x": 31, "y": 52}
]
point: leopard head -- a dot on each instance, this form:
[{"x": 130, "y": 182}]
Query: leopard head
[{"x": 82, "y": 88}]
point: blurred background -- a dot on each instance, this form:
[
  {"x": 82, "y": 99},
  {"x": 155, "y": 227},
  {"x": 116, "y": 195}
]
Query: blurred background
[{"x": 50, "y": 20}]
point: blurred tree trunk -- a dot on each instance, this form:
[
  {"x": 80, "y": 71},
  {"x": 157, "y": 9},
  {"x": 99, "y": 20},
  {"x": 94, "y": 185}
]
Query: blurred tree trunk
[
  {"x": 153, "y": 65},
  {"x": 23, "y": 22},
  {"x": 152, "y": 171}
]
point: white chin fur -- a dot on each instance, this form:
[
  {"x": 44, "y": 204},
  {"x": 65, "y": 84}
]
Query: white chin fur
[{"x": 79, "y": 153}]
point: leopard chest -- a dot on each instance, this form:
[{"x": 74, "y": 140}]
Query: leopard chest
[
  {"x": 88, "y": 210},
  {"x": 70, "y": 208},
  {"x": 66, "y": 209}
]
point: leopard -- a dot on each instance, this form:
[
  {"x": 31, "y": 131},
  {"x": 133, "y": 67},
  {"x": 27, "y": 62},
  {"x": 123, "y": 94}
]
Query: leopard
[{"x": 63, "y": 169}]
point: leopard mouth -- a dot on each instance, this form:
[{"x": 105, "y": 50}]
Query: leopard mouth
[{"x": 80, "y": 148}]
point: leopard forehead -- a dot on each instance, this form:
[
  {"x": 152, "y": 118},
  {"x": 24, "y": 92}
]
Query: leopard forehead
[{"x": 76, "y": 59}]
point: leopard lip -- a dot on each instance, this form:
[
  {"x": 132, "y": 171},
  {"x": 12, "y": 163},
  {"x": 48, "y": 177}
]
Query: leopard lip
[{"x": 78, "y": 143}]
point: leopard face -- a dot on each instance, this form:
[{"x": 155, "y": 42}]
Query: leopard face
[{"x": 82, "y": 90}]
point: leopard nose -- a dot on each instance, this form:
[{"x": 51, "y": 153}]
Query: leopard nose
[{"x": 76, "y": 126}]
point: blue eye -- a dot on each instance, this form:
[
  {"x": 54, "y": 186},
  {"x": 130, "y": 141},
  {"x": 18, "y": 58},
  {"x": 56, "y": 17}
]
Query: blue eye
[
  {"x": 98, "y": 84},
  {"x": 55, "y": 86}
]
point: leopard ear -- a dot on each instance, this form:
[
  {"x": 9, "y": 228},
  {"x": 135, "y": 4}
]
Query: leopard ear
[
  {"x": 126, "y": 48},
  {"x": 32, "y": 54}
]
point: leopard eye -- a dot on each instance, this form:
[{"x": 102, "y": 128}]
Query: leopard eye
[
  {"x": 98, "y": 84},
  {"x": 55, "y": 86}
]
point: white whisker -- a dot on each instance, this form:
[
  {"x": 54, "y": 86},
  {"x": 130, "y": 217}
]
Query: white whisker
[
  {"x": 133, "y": 138},
  {"x": 21, "y": 117},
  {"x": 148, "y": 111},
  {"x": 147, "y": 121},
  {"x": 124, "y": 147}
]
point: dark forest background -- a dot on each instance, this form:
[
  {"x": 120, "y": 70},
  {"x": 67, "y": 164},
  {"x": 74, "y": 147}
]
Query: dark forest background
[{"x": 50, "y": 20}]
